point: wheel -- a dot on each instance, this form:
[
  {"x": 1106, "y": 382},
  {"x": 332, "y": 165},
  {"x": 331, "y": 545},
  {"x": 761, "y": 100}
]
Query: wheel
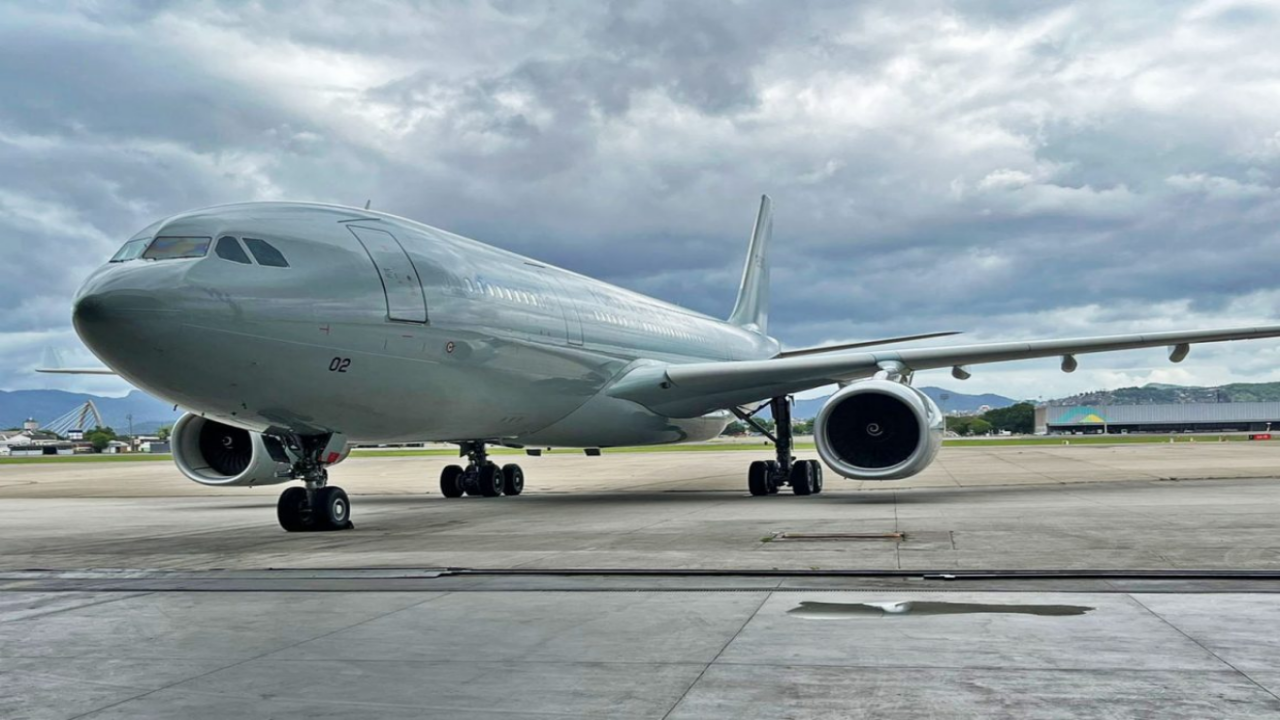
[
  {"x": 512, "y": 479},
  {"x": 489, "y": 480},
  {"x": 758, "y": 478},
  {"x": 773, "y": 476},
  {"x": 817, "y": 477},
  {"x": 802, "y": 477},
  {"x": 451, "y": 481},
  {"x": 292, "y": 510},
  {"x": 331, "y": 509}
]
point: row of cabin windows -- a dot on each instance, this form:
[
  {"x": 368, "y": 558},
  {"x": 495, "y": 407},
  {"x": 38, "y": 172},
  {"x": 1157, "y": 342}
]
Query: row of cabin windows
[
  {"x": 480, "y": 287},
  {"x": 648, "y": 327}
]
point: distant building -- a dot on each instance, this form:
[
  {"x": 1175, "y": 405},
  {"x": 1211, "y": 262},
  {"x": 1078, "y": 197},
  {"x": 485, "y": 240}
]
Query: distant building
[
  {"x": 13, "y": 439},
  {"x": 36, "y": 449},
  {"x": 1183, "y": 417}
]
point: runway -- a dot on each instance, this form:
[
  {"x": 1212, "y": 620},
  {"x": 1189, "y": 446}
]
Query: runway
[{"x": 128, "y": 592}]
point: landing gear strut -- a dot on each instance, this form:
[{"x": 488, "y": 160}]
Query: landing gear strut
[
  {"x": 765, "y": 477},
  {"x": 318, "y": 506},
  {"x": 481, "y": 477}
]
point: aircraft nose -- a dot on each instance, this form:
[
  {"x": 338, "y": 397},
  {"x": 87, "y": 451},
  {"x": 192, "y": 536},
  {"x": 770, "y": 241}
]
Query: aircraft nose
[
  {"x": 118, "y": 311},
  {"x": 89, "y": 308}
]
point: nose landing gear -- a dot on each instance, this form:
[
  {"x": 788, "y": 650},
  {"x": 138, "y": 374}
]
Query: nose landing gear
[
  {"x": 481, "y": 477},
  {"x": 318, "y": 506}
]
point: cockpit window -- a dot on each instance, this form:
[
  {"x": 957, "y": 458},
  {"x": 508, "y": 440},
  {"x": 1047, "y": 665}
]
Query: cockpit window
[
  {"x": 131, "y": 250},
  {"x": 172, "y": 248},
  {"x": 265, "y": 254},
  {"x": 229, "y": 249}
]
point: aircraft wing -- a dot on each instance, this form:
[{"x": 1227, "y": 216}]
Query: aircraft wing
[
  {"x": 864, "y": 343},
  {"x": 698, "y": 388}
]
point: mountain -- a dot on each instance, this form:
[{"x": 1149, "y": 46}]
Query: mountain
[
  {"x": 46, "y": 405},
  {"x": 962, "y": 403},
  {"x": 1163, "y": 394}
]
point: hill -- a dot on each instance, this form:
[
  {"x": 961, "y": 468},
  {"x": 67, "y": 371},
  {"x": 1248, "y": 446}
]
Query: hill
[
  {"x": 1163, "y": 394},
  {"x": 45, "y": 405}
]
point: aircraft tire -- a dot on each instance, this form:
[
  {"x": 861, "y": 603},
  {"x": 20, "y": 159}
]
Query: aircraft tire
[
  {"x": 489, "y": 478},
  {"x": 512, "y": 479},
  {"x": 291, "y": 510},
  {"x": 451, "y": 481},
  {"x": 802, "y": 477},
  {"x": 331, "y": 509},
  {"x": 758, "y": 478},
  {"x": 772, "y": 476},
  {"x": 817, "y": 477}
]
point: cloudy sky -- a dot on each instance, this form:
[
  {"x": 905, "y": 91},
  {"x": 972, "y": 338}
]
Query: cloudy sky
[{"x": 1009, "y": 169}]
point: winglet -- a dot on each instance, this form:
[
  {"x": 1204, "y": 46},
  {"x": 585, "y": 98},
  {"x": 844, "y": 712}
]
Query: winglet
[{"x": 752, "y": 309}]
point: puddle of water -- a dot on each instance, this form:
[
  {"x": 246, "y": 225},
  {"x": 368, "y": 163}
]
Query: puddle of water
[{"x": 840, "y": 611}]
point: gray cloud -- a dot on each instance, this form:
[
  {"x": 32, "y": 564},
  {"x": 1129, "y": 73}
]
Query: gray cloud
[{"x": 1005, "y": 168}]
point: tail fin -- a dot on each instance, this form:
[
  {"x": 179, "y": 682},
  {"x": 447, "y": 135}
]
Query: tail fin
[{"x": 752, "y": 309}]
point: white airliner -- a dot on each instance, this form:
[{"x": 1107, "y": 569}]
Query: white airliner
[{"x": 290, "y": 331}]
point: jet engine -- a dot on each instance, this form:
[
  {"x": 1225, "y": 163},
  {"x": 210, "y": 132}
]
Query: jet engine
[
  {"x": 213, "y": 453},
  {"x": 878, "y": 430}
]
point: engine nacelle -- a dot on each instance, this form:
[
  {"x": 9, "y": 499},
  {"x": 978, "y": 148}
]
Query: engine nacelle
[
  {"x": 878, "y": 430},
  {"x": 213, "y": 453}
]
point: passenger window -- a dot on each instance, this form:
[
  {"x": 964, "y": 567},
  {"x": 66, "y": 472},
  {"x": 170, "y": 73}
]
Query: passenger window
[
  {"x": 229, "y": 249},
  {"x": 173, "y": 248},
  {"x": 265, "y": 253}
]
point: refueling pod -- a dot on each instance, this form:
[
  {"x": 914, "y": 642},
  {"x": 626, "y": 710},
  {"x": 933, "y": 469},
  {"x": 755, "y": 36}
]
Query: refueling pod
[{"x": 878, "y": 430}]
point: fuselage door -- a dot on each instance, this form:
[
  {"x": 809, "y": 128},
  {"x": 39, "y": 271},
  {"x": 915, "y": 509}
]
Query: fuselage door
[
  {"x": 572, "y": 320},
  {"x": 400, "y": 282}
]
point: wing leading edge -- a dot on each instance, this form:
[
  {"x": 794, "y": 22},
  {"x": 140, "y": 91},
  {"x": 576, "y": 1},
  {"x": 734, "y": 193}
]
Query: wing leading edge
[{"x": 699, "y": 388}]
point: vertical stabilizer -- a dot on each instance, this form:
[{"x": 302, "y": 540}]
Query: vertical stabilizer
[{"x": 752, "y": 309}]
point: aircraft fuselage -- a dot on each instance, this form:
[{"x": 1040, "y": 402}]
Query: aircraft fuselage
[{"x": 388, "y": 331}]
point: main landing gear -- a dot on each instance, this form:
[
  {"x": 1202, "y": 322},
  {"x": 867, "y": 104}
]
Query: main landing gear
[
  {"x": 318, "y": 506},
  {"x": 765, "y": 477},
  {"x": 481, "y": 477}
]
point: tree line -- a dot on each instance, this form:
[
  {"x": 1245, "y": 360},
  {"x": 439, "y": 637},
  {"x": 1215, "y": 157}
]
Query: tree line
[{"x": 1019, "y": 419}]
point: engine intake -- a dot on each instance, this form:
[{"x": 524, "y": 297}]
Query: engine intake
[
  {"x": 878, "y": 430},
  {"x": 214, "y": 453}
]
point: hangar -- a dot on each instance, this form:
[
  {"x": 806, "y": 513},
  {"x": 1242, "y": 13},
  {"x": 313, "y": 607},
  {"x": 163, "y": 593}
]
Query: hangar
[{"x": 1183, "y": 417}]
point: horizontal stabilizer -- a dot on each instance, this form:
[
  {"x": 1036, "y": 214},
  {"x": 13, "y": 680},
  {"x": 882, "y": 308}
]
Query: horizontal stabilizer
[{"x": 53, "y": 365}]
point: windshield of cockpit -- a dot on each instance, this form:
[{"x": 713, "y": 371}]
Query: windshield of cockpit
[{"x": 163, "y": 248}]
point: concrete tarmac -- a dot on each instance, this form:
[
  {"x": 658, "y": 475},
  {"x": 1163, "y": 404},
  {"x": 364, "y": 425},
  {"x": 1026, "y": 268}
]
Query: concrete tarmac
[
  {"x": 368, "y": 623},
  {"x": 1201, "y": 506}
]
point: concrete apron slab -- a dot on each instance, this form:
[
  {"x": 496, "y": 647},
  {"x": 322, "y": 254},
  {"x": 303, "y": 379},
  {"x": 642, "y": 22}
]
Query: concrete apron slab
[{"x": 705, "y": 653}]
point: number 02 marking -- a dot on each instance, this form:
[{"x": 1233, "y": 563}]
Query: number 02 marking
[{"x": 339, "y": 364}]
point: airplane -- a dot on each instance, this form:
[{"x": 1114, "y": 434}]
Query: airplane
[{"x": 291, "y": 331}]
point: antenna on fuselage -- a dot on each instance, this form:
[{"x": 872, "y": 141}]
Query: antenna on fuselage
[{"x": 366, "y": 203}]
